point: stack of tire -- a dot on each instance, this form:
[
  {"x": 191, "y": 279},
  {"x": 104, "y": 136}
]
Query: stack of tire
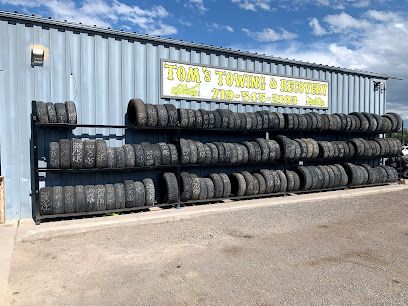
[
  {"x": 78, "y": 154},
  {"x": 152, "y": 115},
  {"x": 263, "y": 182},
  {"x": 336, "y": 149},
  {"x": 90, "y": 198},
  {"x": 365, "y": 174},
  {"x": 296, "y": 149},
  {"x": 361, "y": 122},
  {"x": 216, "y": 185},
  {"x": 380, "y": 147},
  {"x": 260, "y": 150},
  {"x": 322, "y": 177},
  {"x": 225, "y": 118},
  {"x": 56, "y": 112}
]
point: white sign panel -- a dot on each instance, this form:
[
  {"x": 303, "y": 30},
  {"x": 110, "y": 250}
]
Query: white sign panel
[{"x": 200, "y": 82}]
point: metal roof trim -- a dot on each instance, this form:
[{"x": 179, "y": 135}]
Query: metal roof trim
[{"x": 16, "y": 17}]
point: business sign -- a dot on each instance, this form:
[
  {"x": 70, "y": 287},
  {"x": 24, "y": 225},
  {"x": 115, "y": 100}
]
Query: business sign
[{"x": 207, "y": 83}]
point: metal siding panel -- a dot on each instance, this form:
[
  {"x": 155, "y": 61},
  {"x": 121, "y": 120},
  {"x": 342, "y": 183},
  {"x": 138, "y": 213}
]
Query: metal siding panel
[
  {"x": 116, "y": 103},
  {"x": 339, "y": 107}
]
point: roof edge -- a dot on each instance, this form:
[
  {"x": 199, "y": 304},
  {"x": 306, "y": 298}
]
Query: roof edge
[{"x": 33, "y": 19}]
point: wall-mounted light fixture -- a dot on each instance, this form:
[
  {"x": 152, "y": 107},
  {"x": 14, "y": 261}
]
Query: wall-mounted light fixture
[
  {"x": 37, "y": 57},
  {"x": 379, "y": 86}
]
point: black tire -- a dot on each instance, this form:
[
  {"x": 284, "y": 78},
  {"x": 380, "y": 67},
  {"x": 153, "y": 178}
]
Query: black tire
[
  {"x": 296, "y": 180},
  {"x": 193, "y": 151},
  {"x": 203, "y": 189},
  {"x": 238, "y": 184},
  {"x": 120, "y": 195},
  {"x": 283, "y": 181},
  {"x": 151, "y": 115},
  {"x": 274, "y": 150},
  {"x": 53, "y": 155},
  {"x": 130, "y": 194},
  {"x": 150, "y": 191},
  {"x": 364, "y": 124},
  {"x": 195, "y": 187},
  {"x": 261, "y": 182},
  {"x": 358, "y": 147},
  {"x": 57, "y": 200},
  {"x": 226, "y": 185},
  {"x": 165, "y": 153},
  {"x": 290, "y": 180},
  {"x": 325, "y": 176},
  {"x": 264, "y": 149},
  {"x": 52, "y": 113},
  {"x": 354, "y": 174},
  {"x": 306, "y": 179},
  {"x": 372, "y": 122},
  {"x": 110, "y": 197},
  {"x": 191, "y": 118},
  {"x": 289, "y": 121},
  {"x": 269, "y": 180},
  {"x": 183, "y": 117},
  {"x": 62, "y": 116},
  {"x": 251, "y": 150},
  {"x": 211, "y": 120},
  {"x": 218, "y": 185},
  {"x": 120, "y": 157},
  {"x": 227, "y": 150},
  {"x": 348, "y": 123},
  {"x": 90, "y": 197},
  {"x": 372, "y": 174},
  {"x": 200, "y": 152},
  {"x": 248, "y": 120},
  {"x": 332, "y": 179},
  {"x": 217, "y": 119},
  {"x": 100, "y": 193},
  {"x": 210, "y": 188},
  {"x": 302, "y": 122},
  {"x": 265, "y": 119},
  {"x": 162, "y": 115},
  {"x": 139, "y": 155},
  {"x": 344, "y": 176},
  {"x": 136, "y": 112},
  {"x": 398, "y": 119},
  {"x": 198, "y": 119},
  {"x": 101, "y": 151},
  {"x": 254, "y": 121},
  {"x": 186, "y": 186},
  {"x": 130, "y": 157},
  {"x": 185, "y": 151},
  {"x": 208, "y": 154},
  {"x": 240, "y": 153},
  {"x": 148, "y": 154},
  {"x": 245, "y": 154},
  {"x": 111, "y": 158},
  {"x": 224, "y": 116},
  {"x": 221, "y": 152},
  {"x": 77, "y": 153},
  {"x": 273, "y": 121},
  {"x": 256, "y": 185},
  {"x": 172, "y": 115},
  {"x": 234, "y": 153},
  {"x": 276, "y": 181},
  {"x": 156, "y": 155},
  {"x": 65, "y": 153},
  {"x": 281, "y": 120},
  {"x": 140, "y": 194},
  {"x": 391, "y": 122},
  {"x": 80, "y": 199},
  {"x": 46, "y": 201},
  {"x": 171, "y": 188},
  {"x": 206, "y": 118},
  {"x": 40, "y": 112},
  {"x": 303, "y": 148},
  {"x": 72, "y": 116},
  {"x": 242, "y": 120},
  {"x": 214, "y": 153},
  {"x": 173, "y": 153}
]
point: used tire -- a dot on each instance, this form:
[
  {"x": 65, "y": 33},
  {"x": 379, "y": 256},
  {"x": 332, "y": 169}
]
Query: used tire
[
  {"x": 58, "y": 200},
  {"x": 162, "y": 116},
  {"x": 151, "y": 115},
  {"x": 77, "y": 153},
  {"x": 149, "y": 191},
  {"x": 90, "y": 197},
  {"x": 53, "y": 155},
  {"x": 72, "y": 116},
  {"x": 171, "y": 188},
  {"x": 41, "y": 112},
  {"x": 238, "y": 184},
  {"x": 110, "y": 197},
  {"x": 172, "y": 115},
  {"x": 130, "y": 194},
  {"x": 100, "y": 193},
  {"x": 46, "y": 198},
  {"x": 80, "y": 199},
  {"x": 101, "y": 151},
  {"x": 120, "y": 157},
  {"x": 140, "y": 194},
  {"x": 120, "y": 195},
  {"x": 136, "y": 112},
  {"x": 65, "y": 153},
  {"x": 52, "y": 113},
  {"x": 62, "y": 116}
]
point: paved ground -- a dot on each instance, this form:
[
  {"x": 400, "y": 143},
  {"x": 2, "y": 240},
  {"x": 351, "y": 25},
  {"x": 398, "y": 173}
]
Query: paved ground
[{"x": 344, "y": 250}]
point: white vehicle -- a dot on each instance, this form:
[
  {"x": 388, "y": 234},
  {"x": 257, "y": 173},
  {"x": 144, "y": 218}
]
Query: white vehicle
[{"x": 405, "y": 150}]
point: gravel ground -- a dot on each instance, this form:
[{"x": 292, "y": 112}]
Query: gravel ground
[{"x": 344, "y": 251}]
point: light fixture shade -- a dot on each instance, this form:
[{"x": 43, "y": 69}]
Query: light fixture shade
[{"x": 37, "y": 57}]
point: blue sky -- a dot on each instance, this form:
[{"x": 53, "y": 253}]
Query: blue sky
[{"x": 367, "y": 34}]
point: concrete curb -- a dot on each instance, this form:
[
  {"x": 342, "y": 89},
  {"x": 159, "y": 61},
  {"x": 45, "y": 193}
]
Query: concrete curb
[
  {"x": 8, "y": 232},
  {"x": 29, "y": 232}
]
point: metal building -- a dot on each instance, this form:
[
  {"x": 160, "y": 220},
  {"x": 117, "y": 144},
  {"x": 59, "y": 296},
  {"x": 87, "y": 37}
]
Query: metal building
[{"x": 101, "y": 69}]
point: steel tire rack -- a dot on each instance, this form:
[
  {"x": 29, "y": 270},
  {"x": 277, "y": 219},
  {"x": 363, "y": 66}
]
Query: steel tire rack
[{"x": 35, "y": 126}]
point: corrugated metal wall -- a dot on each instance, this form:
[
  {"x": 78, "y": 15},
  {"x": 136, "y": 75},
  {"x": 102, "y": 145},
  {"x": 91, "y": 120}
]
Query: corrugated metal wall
[{"x": 101, "y": 74}]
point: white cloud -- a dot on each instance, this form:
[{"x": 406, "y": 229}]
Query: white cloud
[
  {"x": 105, "y": 14},
  {"x": 199, "y": 5},
  {"x": 217, "y": 26},
  {"x": 339, "y": 23},
  {"x": 381, "y": 47},
  {"x": 253, "y": 5},
  {"x": 270, "y": 35},
  {"x": 318, "y": 30}
]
